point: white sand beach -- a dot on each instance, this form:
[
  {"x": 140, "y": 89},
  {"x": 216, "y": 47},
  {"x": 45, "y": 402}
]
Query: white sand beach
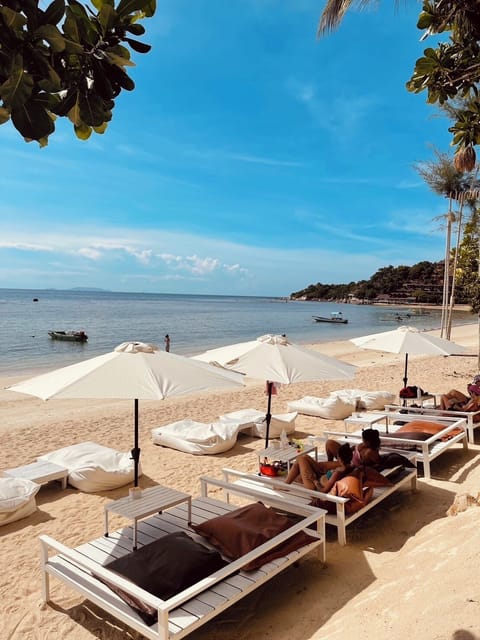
[{"x": 408, "y": 570}]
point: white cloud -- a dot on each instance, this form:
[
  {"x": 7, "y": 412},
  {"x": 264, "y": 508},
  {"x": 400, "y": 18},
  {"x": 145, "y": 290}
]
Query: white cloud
[{"x": 88, "y": 252}]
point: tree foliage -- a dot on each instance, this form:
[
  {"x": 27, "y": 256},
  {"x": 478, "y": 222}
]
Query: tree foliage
[
  {"x": 452, "y": 70},
  {"x": 468, "y": 276},
  {"x": 449, "y": 72},
  {"x": 422, "y": 281},
  {"x": 68, "y": 60}
]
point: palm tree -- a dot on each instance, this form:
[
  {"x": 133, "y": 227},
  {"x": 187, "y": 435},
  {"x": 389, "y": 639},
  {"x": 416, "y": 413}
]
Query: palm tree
[
  {"x": 334, "y": 12},
  {"x": 444, "y": 179}
]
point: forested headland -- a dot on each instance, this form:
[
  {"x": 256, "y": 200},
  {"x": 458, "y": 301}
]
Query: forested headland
[{"x": 421, "y": 283}]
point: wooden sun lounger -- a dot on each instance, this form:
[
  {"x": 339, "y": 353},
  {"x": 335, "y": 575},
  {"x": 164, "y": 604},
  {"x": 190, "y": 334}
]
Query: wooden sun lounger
[
  {"x": 193, "y": 607},
  {"x": 427, "y": 450},
  {"x": 434, "y": 411},
  {"x": 295, "y": 493}
]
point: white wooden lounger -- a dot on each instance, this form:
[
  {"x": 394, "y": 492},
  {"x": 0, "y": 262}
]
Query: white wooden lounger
[
  {"x": 295, "y": 493},
  {"x": 196, "y": 605},
  {"x": 427, "y": 450},
  {"x": 432, "y": 411}
]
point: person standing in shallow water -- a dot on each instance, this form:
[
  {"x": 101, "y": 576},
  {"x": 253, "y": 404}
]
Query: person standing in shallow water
[{"x": 167, "y": 342}]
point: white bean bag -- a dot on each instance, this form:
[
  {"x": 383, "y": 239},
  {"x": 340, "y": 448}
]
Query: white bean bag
[
  {"x": 93, "y": 467},
  {"x": 332, "y": 407},
  {"x": 197, "y": 438},
  {"x": 254, "y": 421},
  {"x": 369, "y": 400},
  {"x": 17, "y": 499}
]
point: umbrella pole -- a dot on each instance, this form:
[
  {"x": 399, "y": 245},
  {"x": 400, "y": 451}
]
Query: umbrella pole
[
  {"x": 135, "y": 451},
  {"x": 405, "y": 377},
  {"x": 268, "y": 417}
]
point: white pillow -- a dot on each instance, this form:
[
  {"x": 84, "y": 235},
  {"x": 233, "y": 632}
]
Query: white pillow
[
  {"x": 333, "y": 408},
  {"x": 93, "y": 467},
  {"x": 278, "y": 423},
  {"x": 377, "y": 399},
  {"x": 244, "y": 418},
  {"x": 197, "y": 438},
  {"x": 17, "y": 499}
]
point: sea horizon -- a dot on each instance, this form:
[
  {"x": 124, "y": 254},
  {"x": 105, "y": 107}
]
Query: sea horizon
[{"x": 195, "y": 322}]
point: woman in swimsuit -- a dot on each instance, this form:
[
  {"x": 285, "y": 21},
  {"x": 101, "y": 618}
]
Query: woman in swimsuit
[
  {"x": 365, "y": 453},
  {"x": 321, "y": 475}
]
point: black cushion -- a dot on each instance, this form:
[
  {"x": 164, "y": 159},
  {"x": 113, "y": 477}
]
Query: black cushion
[{"x": 164, "y": 568}]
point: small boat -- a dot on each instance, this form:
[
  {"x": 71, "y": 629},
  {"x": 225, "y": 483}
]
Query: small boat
[
  {"x": 335, "y": 317},
  {"x": 70, "y": 336}
]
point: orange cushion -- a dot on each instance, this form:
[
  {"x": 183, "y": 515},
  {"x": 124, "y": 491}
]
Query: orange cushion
[
  {"x": 348, "y": 487},
  {"x": 425, "y": 426},
  {"x": 239, "y": 532}
]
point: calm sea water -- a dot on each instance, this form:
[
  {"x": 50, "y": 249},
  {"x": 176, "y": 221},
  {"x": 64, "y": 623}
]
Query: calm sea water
[{"x": 194, "y": 323}]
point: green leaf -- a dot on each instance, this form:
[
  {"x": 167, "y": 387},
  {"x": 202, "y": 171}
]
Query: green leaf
[
  {"x": 82, "y": 131},
  {"x": 107, "y": 17},
  {"x": 33, "y": 121},
  {"x": 150, "y": 8},
  {"x": 117, "y": 74},
  {"x": 52, "y": 83},
  {"x": 126, "y": 7},
  {"x": 65, "y": 104},
  {"x": 85, "y": 29},
  {"x": 138, "y": 46},
  {"x": 4, "y": 115},
  {"x": 52, "y": 35},
  {"x": 101, "y": 129},
  {"x": 17, "y": 89},
  {"x": 98, "y": 4},
  {"x": 74, "y": 113},
  {"x": 136, "y": 29},
  {"x": 54, "y": 12},
  {"x": 12, "y": 19},
  {"x": 91, "y": 109},
  {"x": 118, "y": 61},
  {"x": 424, "y": 20}
]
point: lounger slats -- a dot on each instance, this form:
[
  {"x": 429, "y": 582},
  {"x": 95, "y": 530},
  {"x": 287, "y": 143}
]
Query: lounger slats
[
  {"x": 298, "y": 494},
  {"x": 182, "y": 613}
]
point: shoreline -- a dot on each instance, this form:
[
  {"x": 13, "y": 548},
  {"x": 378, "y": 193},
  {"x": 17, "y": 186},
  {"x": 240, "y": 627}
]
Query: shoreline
[{"x": 376, "y": 577}]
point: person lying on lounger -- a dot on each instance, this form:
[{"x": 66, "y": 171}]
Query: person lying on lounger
[
  {"x": 455, "y": 400},
  {"x": 365, "y": 453},
  {"x": 321, "y": 475}
]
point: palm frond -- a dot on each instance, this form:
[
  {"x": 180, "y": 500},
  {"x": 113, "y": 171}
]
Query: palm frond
[{"x": 332, "y": 15}]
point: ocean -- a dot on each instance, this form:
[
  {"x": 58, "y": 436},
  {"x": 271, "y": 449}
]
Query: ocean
[{"x": 194, "y": 323}]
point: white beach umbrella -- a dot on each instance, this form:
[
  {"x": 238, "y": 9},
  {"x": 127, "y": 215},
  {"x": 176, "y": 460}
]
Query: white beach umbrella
[
  {"x": 133, "y": 370},
  {"x": 408, "y": 340},
  {"x": 275, "y": 359}
]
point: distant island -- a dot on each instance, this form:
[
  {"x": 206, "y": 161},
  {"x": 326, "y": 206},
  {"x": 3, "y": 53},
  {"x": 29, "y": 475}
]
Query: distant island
[
  {"x": 88, "y": 289},
  {"x": 421, "y": 283}
]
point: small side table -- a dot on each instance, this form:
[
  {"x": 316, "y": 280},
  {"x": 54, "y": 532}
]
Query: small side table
[
  {"x": 40, "y": 472},
  {"x": 286, "y": 454},
  {"x": 153, "y": 500},
  {"x": 364, "y": 420}
]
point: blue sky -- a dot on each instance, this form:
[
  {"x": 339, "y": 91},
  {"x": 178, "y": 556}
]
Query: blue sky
[{"x": 251, "y": 159}]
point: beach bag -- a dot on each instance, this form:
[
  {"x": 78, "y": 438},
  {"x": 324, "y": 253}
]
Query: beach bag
[{"x": 411, "y": 392}]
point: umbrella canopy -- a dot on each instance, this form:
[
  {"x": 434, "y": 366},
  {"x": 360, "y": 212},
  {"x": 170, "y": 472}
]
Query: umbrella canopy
[
  {"x": 275, "y": 359},
  {"x": 133, "y": 370},
  {"x": 408, "y": 340}
]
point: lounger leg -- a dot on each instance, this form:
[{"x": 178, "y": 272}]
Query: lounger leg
[
  {"x": 45, "y": 575},
  {"x": 342, "y": 529},
  {"x": 413, "y": 483},
  {"x": 426, "y": 469}
]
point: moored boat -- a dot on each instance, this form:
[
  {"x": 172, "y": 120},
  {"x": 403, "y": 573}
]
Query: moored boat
[
  {"x": 336, "y": 317},
  {"x": 70, "y": 336}
]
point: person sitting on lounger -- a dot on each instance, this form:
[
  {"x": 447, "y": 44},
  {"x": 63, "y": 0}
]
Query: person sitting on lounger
[
  {"x": 455, "y": 400},
  {"x": 321, "y": 475},
  {"x": 365, "y": 453}
]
